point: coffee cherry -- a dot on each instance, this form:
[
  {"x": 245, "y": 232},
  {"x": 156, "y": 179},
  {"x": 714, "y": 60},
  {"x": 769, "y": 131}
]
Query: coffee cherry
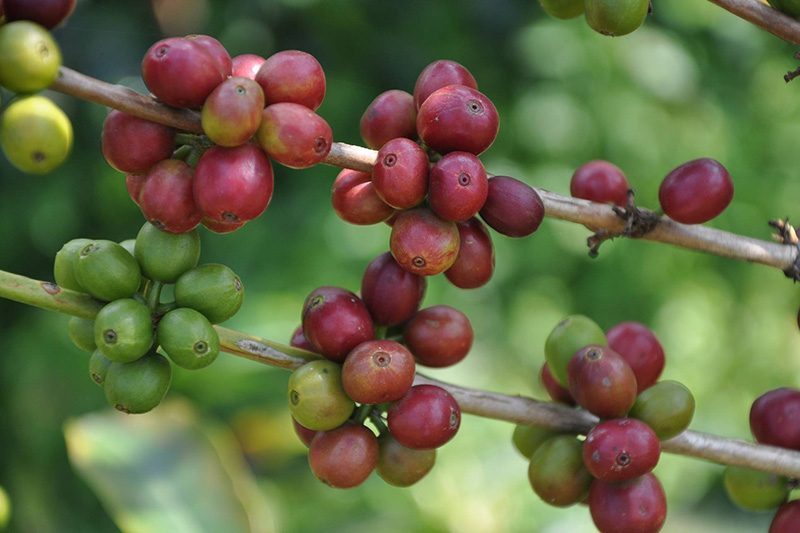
[
  {"x": 48, "y": 13},
  {"x": 458, "y": 186},
  {"x": 615, "y": 17},
  {"x": 343, "y": 457},
  {"x": 557, "y": 473},
  {"x": 299, "y": 340},
  {"x": 222, "y": 227},
  {"x": 65, "y": 262},
  {"x": 787, "y": 519},
  {"x": 335, "y": 321},
  {"x": 527, "y": 439},
  {"x": 621, "y": 449},
  {"x": 166, "y": 197},
  {"x": 81, "y": 333},
  {"x": 166, "y": 256},
  {"x": 600, "y": 181},
  {"x": 212, "y": 289},
  {"x": 130, "y": 245},
  {"x": 753, "y": 490},
  {"x": 562, "y": 9},
  {"x": 292, "y": 76},
  {"x": 569, "y": 336},
  {"x": 182, "y": 72},
  {"x": 139, "y": 386},
  {"x": 233, "y": 185},
  {"x": 638, "y": 345},
  {"x": 35, "y": 135},
  {"x": 602, "y": 382},
  {"x": 293, "y": 135},
  {"x": 695, "y": 192},
  {"x": 512, "y": 207},
  {"x": 423, "y": 243},
  {"x": 123, "y": 330},
  {"x": 316, "y": 397},
  {"x": 378, "y": 371},
  {"x": 556, "y": 392},
  {"x": 246, "y": 66},
  {"x": 215, "y": 49},
  {"x": 439, "y": 336},
  {"x": 426, "y": 417},
  {"x": 474, "y": 264},
  {"x": 98, "y": 367},
  {"x": 355, "y": 201},
  {"x": 440, "y": 74},
  {"x": 667, "y": 407},
  {"x": 133, "y": 145},
  {"x": 773, "y": 418},
  {"x": 303, "y": 433},
  {"x": 390, "y": 115},
  {"x": 232, "y": 112},
  {"x": 391, "y": 293},
  {"x": 133, "y": 184},
  {"x": 188, "y": 338},
  {"x": 457, "y": 118},
  {"x": 400, "y": 174},
  {"x": 107, "y": 271},
  {"x": 635, "y": 506},
  {"x": 29, "y": 57},
  {"x": 401, "y": 466}
]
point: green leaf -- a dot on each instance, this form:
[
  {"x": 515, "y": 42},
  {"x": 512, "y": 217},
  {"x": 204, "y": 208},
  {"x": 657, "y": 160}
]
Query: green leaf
[{"x": 165, "y": 471}]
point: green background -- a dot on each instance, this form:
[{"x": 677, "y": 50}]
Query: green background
[{"x": 693, "y": 82}]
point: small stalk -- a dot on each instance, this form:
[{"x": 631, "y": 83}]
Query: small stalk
[{"x": 154, "y": 296}]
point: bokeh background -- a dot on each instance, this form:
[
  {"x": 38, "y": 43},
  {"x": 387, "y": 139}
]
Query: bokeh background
[{"x": 220, "y": 456}]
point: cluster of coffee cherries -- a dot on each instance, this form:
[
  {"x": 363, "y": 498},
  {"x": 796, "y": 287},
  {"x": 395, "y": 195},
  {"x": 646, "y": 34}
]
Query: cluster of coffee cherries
[
  {"x": 692, "y": 193},
  {"x": 371, "y": 346},
  {"x": 253, "y": 110},
  {"x": 428, "y": 182},
  {"x": 613, "y": 375},
  {"x": 125, "y": 335},
  {"x": 608, "y": 17},
  {"x": 773, "y": 421},
  {"x": 35, "y": 134}
]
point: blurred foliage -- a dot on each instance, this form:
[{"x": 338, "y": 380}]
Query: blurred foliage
[{"x": 694, "y": 81}]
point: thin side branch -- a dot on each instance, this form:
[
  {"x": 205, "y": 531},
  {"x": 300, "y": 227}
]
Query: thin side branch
[
  {"x": 516, "y": 409},
  {"x": 765, "y": 17}
]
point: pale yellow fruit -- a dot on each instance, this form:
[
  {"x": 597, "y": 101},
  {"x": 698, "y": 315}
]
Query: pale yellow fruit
[
  {"x": 35, "y": 134},
  {"x": 29, "y": 57}
]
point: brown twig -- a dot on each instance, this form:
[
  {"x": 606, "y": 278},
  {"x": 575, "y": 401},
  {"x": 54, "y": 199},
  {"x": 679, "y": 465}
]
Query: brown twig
[{"x": 765, "y": 17}]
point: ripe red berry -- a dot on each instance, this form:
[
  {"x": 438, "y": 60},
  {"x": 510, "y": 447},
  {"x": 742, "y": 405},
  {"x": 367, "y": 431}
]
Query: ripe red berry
[
  {"x": 787, "y": 519},
  {"x": 47, "y": 13},
  {"x": 774, "y": 416},
  {"x": 600, "y": 181},
  {"x": 400, "y": 174},
  {"x": 391, "y": 293},
  {"x": 638, "y": 345},
  {"x": 696, "y": 192},
  {"x": 166, "y": 197},
  {"x": 355, "y": 201},
  {"x": 292, "y": 76},
  {"x": 343, "y": 457},
  {"x": 378, "y": 371},
  {"x": 457, "y": 118},
  {"x": 246, "y": 65},
  {"x": 390, "y": 115},
  {"x": 299, "y": 340},
  {"x": 293, "y": 135},
  {"x": 133, "y": 145},
  {"x": 602, "y": 382},
  {"x": 458, "y": 186},
  {"x": 133, "y": 183},
  {"x": 439, "y": 336},
  {"x": 440, "y": 74},
  {"x": 303, "y": 433},
  {"x": 474, "y": 264},
  {"x": 621, "y": 449},
  {"x": 423, "y": 243},
  {"x": 635, "y": 506},
  {"x": 214, "y": 48},
  {"x": 554, "y": 389},
  {"x": 426, "y": 417},
  {"x": 335, "y": 321},
  {"x": 512, "y": 207}
]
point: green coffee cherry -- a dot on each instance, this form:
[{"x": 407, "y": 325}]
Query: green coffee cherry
[
  {"x": 107, "y": 271},
  {"x": 563, "y": 9},
  {"x": 123, "y": 330},
  {"x": 139, "y": 386},
  {"x": 130, "y": 245},
  {"x": 616, "y": 17},
  {"x": 569, "y": 336},
  {"x": 35, "y": 135},
  {"x": 316, "y": 397},
  {"x": 64, "y": 264},
  {"x": 81, "y": 333},
  {"x": 557, "y": 473},
  {"x": 213, "y": 289},
  {"x": 188, "y": 338},
  {"x": 754, "y": 490},
  {"x": 527, "y": 439},
  {"x": 29, "y": 57},
  {"x": 5, "y": 509},
  {"x": 667, "y": 407},
  {"x": 98, "y": 367},
  {"x": 165, "y": 256}
]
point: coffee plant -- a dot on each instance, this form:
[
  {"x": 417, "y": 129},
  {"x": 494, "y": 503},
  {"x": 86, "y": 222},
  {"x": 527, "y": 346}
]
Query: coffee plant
[{"x": 156, "y": 189}]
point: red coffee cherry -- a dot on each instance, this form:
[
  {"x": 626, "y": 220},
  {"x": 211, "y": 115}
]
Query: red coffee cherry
[
  {"x": 635, "y": 506},
  {"x": 222, "y": 227},
  {"x": 246, "y": 65},
  {"x": 457, "y": 118},
  {"x": 554, "y": 389},
  {"x": 391, "y": 293},
  {"x": 355, "y": 201},
  {"x": 47, "y": 13},
  {"x": 335, "y": 321},
  {"x": 696, "y": 192},
  {"x": 378, "y": 371},
  {"x": 474, "y": 264},
  {"x": 232, "y": 112},
  {"x": 440, "y": 74},
  {"x": 303, "y": 433},
  {"x": 600, "y": 181},
  {"x": 166, "y": 197},
  {"x": 512, "y": 207},
  {"x": 343, "y": 457},
  {"x": 426, "y": 417},
  {"x": 299, "y": 340},
  {"x": 214, "y": 48},
  {"x": 292, "y": 76},
  {"x": 400, "y": 174},
  {"x": 390, "y": 115},
  {"x": 621, "y": 449},
  {"x": 423, "y": 243},
  {"x": 602, "y": 382},
  {"x": 774, "y": 418},
  {"x": 638, "y": 345},
  {"x": 133, "y": 145},
  {"x": 293, "y": 135},
  {"x": 439, "y": 336},
  {"x": 787, "y": 519},
  {"x": 458, "y": 186},
  {"x": 133, "y": 183}
]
